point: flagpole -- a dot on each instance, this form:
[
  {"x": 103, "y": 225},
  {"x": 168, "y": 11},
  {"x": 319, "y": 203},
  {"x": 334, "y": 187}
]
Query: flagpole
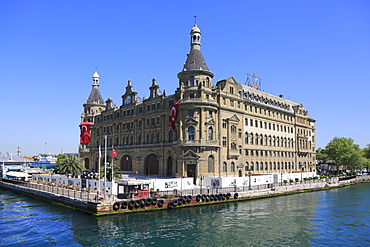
[
  {"x": 105, "y": 166},
  {"x": 99, "y": 187},
  {"x": 112, "y": 171}
]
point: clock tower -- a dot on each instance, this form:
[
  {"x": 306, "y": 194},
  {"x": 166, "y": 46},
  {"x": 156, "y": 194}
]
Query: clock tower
[{"x": 130, "y": 97}]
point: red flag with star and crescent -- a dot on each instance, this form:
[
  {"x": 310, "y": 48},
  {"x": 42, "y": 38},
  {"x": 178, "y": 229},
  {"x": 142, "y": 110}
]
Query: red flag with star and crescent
[
  {"x": 85, "y": 132},
  {"x": 114, "y": 153},
  {"x": 174, "y": 111}
]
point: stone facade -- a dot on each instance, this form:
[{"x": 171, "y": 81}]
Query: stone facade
[{"x": 222, "y": 129}]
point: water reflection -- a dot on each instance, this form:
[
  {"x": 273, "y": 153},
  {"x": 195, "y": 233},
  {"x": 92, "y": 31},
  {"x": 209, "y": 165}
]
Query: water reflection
[
  {"x": 271, "y": 221},
  {"x": 318, "y": 218}
]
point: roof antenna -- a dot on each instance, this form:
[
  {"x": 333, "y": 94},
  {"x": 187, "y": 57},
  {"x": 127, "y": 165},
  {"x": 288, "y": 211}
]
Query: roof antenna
[
  {"x": 195, "y": 20},
  {"x": 96, "y": 68}
]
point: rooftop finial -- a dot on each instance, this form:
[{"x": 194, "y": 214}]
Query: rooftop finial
[{"x": 195, "y": 19}]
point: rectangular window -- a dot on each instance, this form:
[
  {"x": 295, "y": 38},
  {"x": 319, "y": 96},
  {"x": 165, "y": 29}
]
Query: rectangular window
[
  {"x": 191, "y": 96},
  {"x": 224, "y": 143},
  {"x": 232, "y": 103},
  {"x": 251, "y": 122},
  {"x": 210, "y": 114},
  {"x": 191, "y": 112},
  {"x": 246, "y": 121}
]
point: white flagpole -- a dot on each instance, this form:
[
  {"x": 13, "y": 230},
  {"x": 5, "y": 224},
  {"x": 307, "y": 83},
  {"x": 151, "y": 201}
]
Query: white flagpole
[
  {"x": 99, "y": 187},
  {"x": 105, "y": 167},
  {"x": 112, "y": 173}
]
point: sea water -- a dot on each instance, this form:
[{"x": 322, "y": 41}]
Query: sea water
[{"x": 336, "y": 217}]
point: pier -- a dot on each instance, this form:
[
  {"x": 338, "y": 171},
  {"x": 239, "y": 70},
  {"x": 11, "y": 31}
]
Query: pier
[{"x": 93, "y": 204}]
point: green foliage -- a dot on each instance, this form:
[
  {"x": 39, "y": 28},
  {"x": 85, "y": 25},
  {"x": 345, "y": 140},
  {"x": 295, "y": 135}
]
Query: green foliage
[
  {"x": 344, "y": 152},
  {"x": 290, "y": 180},
  {"x": 285, "y": 181},
  {"x": 116, "y": 172},
  {"x": 296, "y": 179},
  {"x": 321, "y": 155},
  {"x": 36, "y": 166},
  {"x": 69, "y": 164}
]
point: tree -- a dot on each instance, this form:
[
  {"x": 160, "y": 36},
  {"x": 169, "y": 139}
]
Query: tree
[
  {"x": 116, "y": 172},
  {"x": 366, "y": 157},
  {"x": 344, "y": 152},
  {"x": 321, "y": 155},
  {"x": 69, "y": 164}
]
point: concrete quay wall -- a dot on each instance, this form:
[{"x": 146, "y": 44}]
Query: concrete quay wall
[
  {"x": 102, "y": 208},
  {"x": 89, "y": 207}
]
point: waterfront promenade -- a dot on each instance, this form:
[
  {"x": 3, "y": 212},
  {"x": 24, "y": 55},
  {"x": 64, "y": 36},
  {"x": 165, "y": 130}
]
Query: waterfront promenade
[{"x": 94, "y": 204}]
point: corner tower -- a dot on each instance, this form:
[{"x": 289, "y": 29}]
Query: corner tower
[
  {"x": 94, "y": 103},
  {"x": 195, "y": 72}
]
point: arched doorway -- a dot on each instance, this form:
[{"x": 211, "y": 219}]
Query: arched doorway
[
  {"x": 87, "y": 163},
  {"x": 152, "y": 165},
  {"x": 126, "y": 163},
  {"x": 169, "y": 166}
]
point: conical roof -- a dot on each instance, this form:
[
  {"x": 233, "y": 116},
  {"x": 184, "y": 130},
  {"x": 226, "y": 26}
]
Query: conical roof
[
  {"x": 195, "y": 61},
  {"x": 95, "y": 96}
]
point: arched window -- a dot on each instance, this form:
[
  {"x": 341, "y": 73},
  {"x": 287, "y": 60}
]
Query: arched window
[
  {"x": 191, "y": 133},
  {"x": 224, "y": 167},
  {"x": 210, "y": 133},
  {"x": 232, "y": 167},
  {"x": 211, "y": 160},
  {"x": 261, "y": 140},
  {"x": 252, "y": 167},
  {"x": 126, "y": 163},
  {"x": 139, "y": 140},
  {"x": 246, "y": 166},
  {"x": 192, "y": 81},
  {"x": 246, "y": 137},
  {"x": 261, "y": 166},
  {"x": 257, "y": 168}
]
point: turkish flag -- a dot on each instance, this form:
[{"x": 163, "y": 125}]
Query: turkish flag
[
  {"x": 85, "y": 132},
  {"x": 174, "y": 111},
  {"x": 114, "y": 153}
]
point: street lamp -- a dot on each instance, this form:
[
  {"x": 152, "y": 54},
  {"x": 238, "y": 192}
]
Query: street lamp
[
  {"x": 281, "y": 180},
  {"x": 201, "y": 183},
  {"x": 301, "y": 173},
  {"x": 250, "y": 182}
]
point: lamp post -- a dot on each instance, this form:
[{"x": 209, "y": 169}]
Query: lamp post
[
  {"x": 301, "y": 173},
  {"x": 250, "y": 181},
  {"x": 281, "y": 180},
  {"x": 201, "y": 183}
]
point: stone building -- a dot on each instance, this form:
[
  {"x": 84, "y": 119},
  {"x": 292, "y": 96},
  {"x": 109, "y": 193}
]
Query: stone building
[{"x": 222, "y": 129}]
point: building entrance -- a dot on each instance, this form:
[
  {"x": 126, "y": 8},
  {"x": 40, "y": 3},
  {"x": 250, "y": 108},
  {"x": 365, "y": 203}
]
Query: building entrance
[{"x": 190, "y": 170}]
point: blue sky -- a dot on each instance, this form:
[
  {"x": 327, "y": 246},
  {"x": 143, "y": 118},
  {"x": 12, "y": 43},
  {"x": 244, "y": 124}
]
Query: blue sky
[{"x": 314, "y": 52}]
